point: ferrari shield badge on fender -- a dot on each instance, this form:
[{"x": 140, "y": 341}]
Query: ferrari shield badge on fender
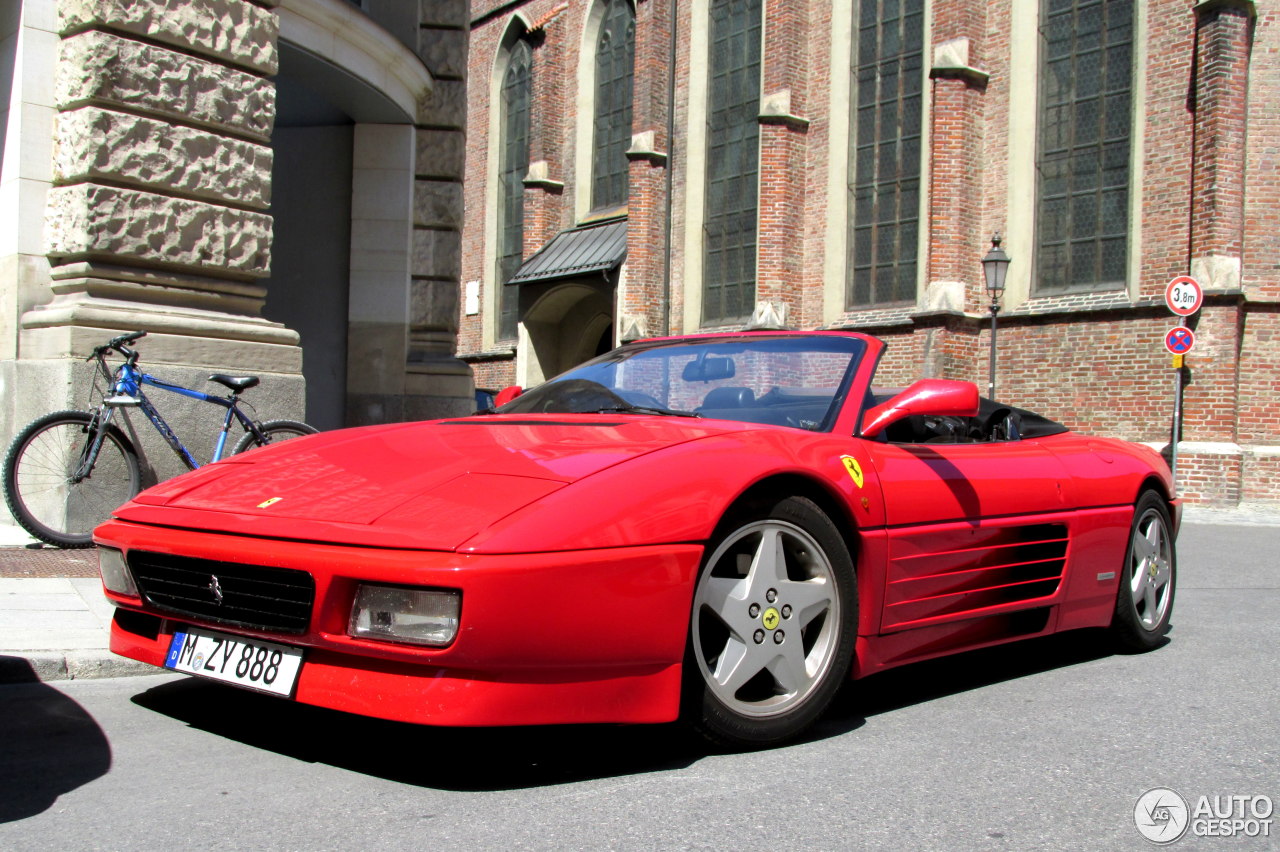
[
  {"x": 274, "y": 500},
  {"x": 855, "y": 469}
]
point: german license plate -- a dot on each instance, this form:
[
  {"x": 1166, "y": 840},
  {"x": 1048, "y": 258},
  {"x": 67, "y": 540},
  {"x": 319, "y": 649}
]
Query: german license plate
[{"x": 251, "y": 663}]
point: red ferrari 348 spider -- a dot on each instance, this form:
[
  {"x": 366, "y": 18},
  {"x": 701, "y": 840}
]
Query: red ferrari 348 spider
[{"x": 720, "y": 527}]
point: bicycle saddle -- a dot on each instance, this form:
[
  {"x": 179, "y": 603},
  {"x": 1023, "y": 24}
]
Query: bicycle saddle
[{"x": 235, "y": 383}]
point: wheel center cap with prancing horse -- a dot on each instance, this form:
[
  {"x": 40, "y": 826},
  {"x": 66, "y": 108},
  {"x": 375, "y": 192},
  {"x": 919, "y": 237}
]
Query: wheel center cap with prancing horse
[{"x": 770, "y": 618}]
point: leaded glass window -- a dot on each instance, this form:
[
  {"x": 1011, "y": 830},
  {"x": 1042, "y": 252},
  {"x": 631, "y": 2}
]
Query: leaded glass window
[
  {"x": 517, "y": 84},
  {"x": 884, "y": 172},
  {"x": 733, "y": 161},
  {"x": 615, "y": 64},
  {"x": 1085, "y": 127}
]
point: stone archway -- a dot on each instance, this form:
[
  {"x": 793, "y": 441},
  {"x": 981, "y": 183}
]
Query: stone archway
[{"x": 567, "y": 323}]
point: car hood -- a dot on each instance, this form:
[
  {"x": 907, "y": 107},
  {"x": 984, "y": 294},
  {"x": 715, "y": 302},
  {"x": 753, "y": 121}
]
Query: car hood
[{"x": 431, "y": 485}]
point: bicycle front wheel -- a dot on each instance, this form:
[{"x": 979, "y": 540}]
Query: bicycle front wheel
[
  {"x": 39, "y": 477},
  {"x": 273, "y": 432}
]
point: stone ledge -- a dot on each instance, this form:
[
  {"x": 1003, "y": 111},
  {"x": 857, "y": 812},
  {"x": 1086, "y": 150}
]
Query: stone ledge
[
  {"x": 234, "y": 31},
  {"x": 107, "y": 70},
  {"x": 96, "y": 144},
  {"x": 93, "y": 222}
]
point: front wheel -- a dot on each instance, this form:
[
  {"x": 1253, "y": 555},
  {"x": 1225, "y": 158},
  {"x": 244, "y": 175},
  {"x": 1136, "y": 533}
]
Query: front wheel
[
  {"x": 40, "y": 477},
  {"x": 773, "y": 625},
  {"x": 1144, "y": 601},
  {"x": 273, "y": 432}
]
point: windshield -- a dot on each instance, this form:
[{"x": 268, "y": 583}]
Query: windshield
[{"x": 785, "y": 381}]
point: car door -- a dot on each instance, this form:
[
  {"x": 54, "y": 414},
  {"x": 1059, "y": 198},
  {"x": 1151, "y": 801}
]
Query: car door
[{"x": 973, "y": 529}]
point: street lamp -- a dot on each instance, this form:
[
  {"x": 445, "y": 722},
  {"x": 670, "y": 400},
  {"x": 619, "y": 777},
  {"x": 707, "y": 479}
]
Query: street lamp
[{"x": 995, "y": 266}]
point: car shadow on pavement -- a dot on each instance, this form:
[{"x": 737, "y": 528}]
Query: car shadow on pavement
[
  {"x": 477, "y": 758},
  {"x": 489, "y": 759},
  {"x": 49, "y": 745},
  {"x": 917, "y": 683}
]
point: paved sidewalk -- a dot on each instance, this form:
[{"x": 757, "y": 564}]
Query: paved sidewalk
[{"x": 54, "y": 619}]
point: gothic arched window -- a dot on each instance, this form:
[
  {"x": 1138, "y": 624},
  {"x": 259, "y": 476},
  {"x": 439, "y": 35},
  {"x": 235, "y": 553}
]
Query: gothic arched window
[{"x": 615, "y": 64}]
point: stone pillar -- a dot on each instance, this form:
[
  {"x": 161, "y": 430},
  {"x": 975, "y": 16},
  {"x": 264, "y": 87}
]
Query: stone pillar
[
  {"x": 544, "y": 203},
  {"x": 955, "y": 193},
  {"x": 644, "y": 294},
  {"x": 1221, "y": 107},
  {"x": 783, "y": 148},
  {"x": 1210, "y": 461},
  {"x": 154, "y": 222},
  {"x": 28, "y": 50},
  {"x": 437, "y": 384}
]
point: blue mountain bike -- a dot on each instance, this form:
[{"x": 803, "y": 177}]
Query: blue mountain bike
[{"x": 67, "y": 471}]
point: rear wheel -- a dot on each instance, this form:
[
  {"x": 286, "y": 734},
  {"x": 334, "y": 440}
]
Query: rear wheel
[
  {"x": 273, "y": 432},
  {"x": 1144, "y": 602},
  {"x": 39, "y": 477},
  {"x": 773, "y": 625}
]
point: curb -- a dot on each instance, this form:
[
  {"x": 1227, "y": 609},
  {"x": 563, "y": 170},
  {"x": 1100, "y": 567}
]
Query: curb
[
  {"x": 1249, "y": 516},
  {"x": 44, "y": 666}
]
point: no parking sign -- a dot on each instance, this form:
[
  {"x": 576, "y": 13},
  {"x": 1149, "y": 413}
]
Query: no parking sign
[{"x": 1179, "y": 340}]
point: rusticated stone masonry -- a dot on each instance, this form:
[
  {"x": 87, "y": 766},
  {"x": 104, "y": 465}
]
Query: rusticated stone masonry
[
  {"x": 105, "y": 69},
  {"x": 233, "y": 31},
  {"x": 160, "y": 150},
  {"x": 99, "y": 144},
  {"x": 91, "y": 222}
]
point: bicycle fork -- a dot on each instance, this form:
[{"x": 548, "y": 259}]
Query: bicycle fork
[{"x": 97, "y": 431}]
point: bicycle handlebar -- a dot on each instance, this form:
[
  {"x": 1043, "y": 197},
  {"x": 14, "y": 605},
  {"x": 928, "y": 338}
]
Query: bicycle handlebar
[{"x": 119, "y": 344}]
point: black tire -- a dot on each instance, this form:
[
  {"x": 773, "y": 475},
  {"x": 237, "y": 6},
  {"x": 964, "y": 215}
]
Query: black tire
[
  {"x": 37, "y": 478},
  {"x": 760, "y": 668},
  {"x": 273, "y": 432},
  {"x": 1144, "y": 600}
]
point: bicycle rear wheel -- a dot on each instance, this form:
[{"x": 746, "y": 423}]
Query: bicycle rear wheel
[
  {"x": 273, "y": 432},
  {"x": 39, "y": 471}
]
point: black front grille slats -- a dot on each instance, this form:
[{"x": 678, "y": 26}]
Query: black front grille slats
[{"x": 278, "y": 600}]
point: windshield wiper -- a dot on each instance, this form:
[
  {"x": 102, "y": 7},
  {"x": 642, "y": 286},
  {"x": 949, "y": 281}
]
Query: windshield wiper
[{"x": 628, "y": 408}]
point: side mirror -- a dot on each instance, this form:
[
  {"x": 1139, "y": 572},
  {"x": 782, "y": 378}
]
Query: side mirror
[
  {"x": 506, "y": 395},
  {"x": 936, "y": 397}
]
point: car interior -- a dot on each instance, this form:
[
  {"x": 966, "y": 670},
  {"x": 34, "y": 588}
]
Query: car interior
[{"x": 994, "y": 423}]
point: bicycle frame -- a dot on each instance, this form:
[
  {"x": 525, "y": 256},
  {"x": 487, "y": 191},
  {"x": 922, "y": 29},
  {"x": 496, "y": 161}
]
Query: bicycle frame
[{"x": 128, "y": 381}]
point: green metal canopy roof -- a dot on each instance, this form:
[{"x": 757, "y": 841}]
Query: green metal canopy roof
[{"x": 590, "y": 249}]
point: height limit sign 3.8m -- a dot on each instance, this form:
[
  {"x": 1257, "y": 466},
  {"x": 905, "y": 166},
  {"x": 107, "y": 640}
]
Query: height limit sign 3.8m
[{"x": 1184, "y": 295}]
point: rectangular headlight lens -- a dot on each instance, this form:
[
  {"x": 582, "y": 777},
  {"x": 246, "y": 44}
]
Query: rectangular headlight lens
[
  {"x": 401, "y": 614},
  {"x": 115, "y": 572}
]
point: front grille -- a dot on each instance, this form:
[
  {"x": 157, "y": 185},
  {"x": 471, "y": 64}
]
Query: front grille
[{"x": 278, "y": 600}]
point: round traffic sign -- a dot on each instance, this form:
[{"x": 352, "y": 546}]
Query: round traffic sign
[
  {"x": 1184, "y": 295},
  {"x": 1179, "y": 340}
]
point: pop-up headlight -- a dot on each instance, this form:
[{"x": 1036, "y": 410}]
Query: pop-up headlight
[
  {"x": 115, "y": 572},
  {"x": 401, "y": 614}
]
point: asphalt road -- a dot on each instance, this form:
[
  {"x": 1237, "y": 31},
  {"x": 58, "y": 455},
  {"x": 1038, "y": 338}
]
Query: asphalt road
[{"x": 1045, "y": 745}]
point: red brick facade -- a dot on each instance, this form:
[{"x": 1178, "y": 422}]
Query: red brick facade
[{"x": 1205, "y": 200}]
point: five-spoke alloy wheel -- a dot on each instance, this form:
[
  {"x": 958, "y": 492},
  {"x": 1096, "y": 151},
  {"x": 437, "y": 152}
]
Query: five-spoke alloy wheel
[
  {"x": 773, "y": 625},
  {"x": 1144, "y": 602}
]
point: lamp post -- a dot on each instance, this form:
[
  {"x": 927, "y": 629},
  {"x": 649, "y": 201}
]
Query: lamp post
[{"x": 995, "y": 266}]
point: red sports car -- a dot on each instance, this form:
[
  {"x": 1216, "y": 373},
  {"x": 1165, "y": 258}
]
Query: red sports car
[{"x": 720, "y": 527}]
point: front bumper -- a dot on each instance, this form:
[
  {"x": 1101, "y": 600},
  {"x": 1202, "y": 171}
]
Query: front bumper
[{"x": 548, "y": 638}]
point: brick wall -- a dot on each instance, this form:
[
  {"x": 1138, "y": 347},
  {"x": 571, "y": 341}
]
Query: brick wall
[{"x": 1206, "y": 198}]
